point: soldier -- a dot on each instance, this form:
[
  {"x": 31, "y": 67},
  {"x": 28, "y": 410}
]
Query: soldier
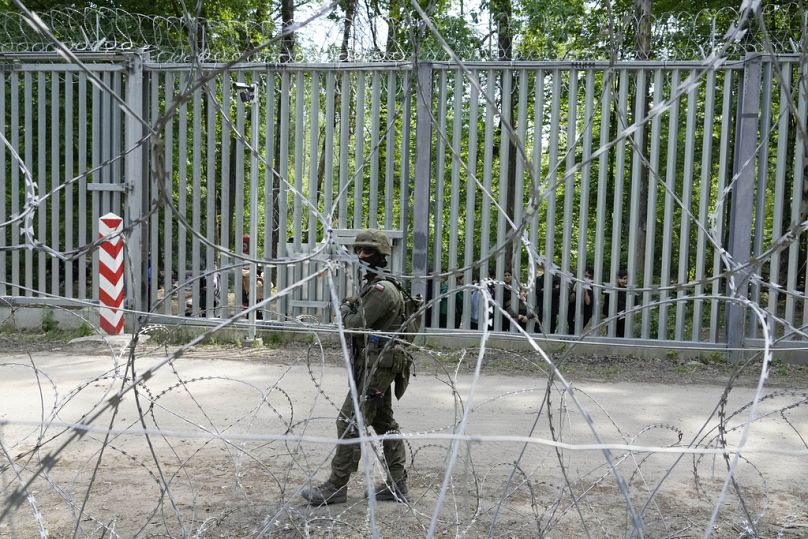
[{"x": 377, "y": 362}]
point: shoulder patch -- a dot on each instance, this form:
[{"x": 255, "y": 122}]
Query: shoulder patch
[{"x": 379, "y": 287}]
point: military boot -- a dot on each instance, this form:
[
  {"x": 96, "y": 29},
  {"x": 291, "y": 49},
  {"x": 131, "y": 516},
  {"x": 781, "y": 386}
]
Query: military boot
[
  {"x": 392, "y": 491},
  {"x": 326, "y": 493}
]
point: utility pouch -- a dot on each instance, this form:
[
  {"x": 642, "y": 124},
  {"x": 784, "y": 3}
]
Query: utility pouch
[{"x": 402, "y": 379}]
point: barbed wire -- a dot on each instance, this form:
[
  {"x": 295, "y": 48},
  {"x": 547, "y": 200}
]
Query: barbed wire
[{"x": 674, "y": 36}]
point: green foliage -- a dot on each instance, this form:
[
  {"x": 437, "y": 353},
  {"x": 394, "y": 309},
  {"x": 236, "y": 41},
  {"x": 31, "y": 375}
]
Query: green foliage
[
  {"x": 84, "y": 330},
  {"x": 49, "y": 323}
]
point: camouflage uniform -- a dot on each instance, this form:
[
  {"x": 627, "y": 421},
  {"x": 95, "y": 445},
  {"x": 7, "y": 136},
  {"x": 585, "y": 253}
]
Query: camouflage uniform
[{"x": 379, "y": 308}]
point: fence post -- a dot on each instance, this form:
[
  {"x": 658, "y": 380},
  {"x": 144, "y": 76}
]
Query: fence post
[
  {"x": 423, "y": 168},
  {"x": 135, "y": 181},
  {"x": 743, "y": 193}
]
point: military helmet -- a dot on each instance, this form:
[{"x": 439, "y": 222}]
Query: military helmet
[{"x": 372, "y": 237}]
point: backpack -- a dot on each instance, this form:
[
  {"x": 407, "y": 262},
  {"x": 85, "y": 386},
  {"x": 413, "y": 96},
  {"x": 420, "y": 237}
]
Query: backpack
[{"x": 413, "y": 315}]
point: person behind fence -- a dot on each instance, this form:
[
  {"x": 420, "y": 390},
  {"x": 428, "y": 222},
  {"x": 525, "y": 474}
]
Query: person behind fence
[
  {"x": 520, "y": 310},
  {"x": 587, "y": 303},
  {"x": 245, "y": 279},
  {"x": 555, "y": 301},
  {"x": 511, "y": 299},
  {"x": 619, "y": 294},
  {"x": 377, "y": 362}
]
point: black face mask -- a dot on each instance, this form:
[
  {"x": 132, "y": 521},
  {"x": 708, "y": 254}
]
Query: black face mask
[{"x": 378, "y": 260}]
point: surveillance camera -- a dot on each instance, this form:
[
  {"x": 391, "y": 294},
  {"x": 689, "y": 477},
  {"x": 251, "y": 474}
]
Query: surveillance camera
[{"x": 246, "y": 92}]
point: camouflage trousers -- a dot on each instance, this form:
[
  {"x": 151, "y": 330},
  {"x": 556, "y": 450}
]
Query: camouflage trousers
[{"x": 377, "y": 413}]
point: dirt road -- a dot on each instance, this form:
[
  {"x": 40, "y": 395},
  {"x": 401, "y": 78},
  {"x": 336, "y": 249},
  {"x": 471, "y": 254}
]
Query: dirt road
[{"x": 217, "y": 445}]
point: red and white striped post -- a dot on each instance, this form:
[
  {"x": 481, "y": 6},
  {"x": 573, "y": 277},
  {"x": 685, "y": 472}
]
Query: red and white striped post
[{"x": 110, "y": 269}]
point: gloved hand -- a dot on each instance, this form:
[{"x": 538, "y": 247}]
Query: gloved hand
[{"x": 348, "y": 306}]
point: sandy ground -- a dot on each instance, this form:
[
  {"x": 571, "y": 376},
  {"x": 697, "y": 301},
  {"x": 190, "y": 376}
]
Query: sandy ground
[{"x": 219, "y": 444}]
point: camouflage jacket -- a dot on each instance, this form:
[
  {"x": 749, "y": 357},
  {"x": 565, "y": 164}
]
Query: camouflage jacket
[{"x": 379, "y": 309}]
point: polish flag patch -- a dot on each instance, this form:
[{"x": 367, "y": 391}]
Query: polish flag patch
[{"x": 379, "y": 287}]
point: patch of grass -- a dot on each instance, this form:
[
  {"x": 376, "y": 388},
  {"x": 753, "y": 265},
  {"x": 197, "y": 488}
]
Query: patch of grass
[
  {"x": 714, "y": 358},
  {"x": 84, "y": 330},
  {"x": 672, "y": 354},
  {"x": 683, "y": 369},
  {"x": 49, "y": 323}
]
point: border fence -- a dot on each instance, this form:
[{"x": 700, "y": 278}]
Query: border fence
[{"x": 689, "y": 175}]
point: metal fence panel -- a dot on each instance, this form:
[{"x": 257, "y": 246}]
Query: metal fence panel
[{"x": 628, "y": 165}]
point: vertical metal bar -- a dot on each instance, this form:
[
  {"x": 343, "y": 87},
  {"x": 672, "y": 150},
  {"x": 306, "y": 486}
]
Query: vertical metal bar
[
  {"x": 651, "y": 217},
  {"x": 617, "y": 208},
  {"x": 389, "y": 155},
  {"x": 42, "y": 177},
  {"x": 454, "y": 202},
  {"x": 328, "y": 162},
  {"x": 210, "y": 188},
  {"x": 552, "y": 190},
  {"x": 720, "y": 206},
  {"x": 569, "y": 199},
  {"x": 471, "y": 190},
  {"x": 314, "y": 115},
  {"x": 583, "y": 215},
  {"x": 253, "y": 246},
  {"x": 29, "y": 156},
  {"x": 196, "y": 196},
  {"x": 667, "y": 219},
  {"x": 687, "y": 202},
  {"x": 269, "y": 195},
  {"x": 300, "y": 156},
  {"x": 328, "y": 155},
  {"x": 359, "y": 155},
  {"x": 742, "y": 199},
  {"x": 504, "y": 154},
  {"x": 283, "y": 170},
  {"x": 763, "y": 174},
  {"x": 134, "y": 178},
  {"x": 167, "y": 181},
  {"x": 182, "y": 190},
  {"x": 69, "y": 290},
  {"x": 375, "y": 106},
  {"x": 115, "y": 141},
  {"x": 81, "y": 239},
  {"x": 154, "y": 220},
  {"x": 96, "y": 177},
  {"x": 519, "y": 169},
  {"x": 15, "y": 183},
  {"x": 437, "y": 240},
  {"x": 423, "y": 167},
  {"x": 704, "y": 200},
  {"x": 405, "y": 155},
  {"x": 536, "y": 184},
  {"x": 779, "y": 189},
  {"x": 640, "y": 88},
  {"x": 105, "y": 127},
  {"x": 224, "y": 236},
  {"x": 344, "y": 133},
  {"x": 238, "y": 226},
  {"x": 603, "y": 175},
  {"x": 57, "y": 193},
  {"x": 488, "y": 145}
]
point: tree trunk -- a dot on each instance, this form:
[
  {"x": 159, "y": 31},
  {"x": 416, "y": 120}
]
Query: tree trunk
[
  {"x": 350, "y": 13},
  {"x": 642, "y": 10},
  {"x": 502, "y": 11},
  {"x": 286, "y": 55}
]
